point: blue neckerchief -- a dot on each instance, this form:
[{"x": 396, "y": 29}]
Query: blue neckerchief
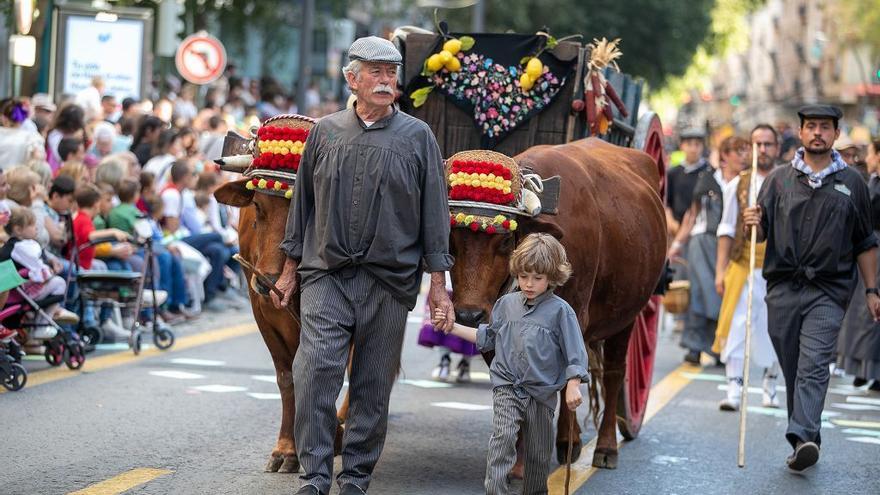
[{"x": 814, "y": 179}]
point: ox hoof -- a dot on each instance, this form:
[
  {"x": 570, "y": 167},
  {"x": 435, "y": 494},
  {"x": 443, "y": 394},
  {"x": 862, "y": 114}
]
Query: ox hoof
[
  {"x": 562, "y": 452},
  {"x": 290, "y": 464},
  {"x": 274, "y": 463},
  {"x": 605, "y": 459}
]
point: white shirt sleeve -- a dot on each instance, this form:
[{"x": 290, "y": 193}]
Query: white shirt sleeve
[
  {"x": 171, "y": 201},
  {"x": 727, "y": 226}
]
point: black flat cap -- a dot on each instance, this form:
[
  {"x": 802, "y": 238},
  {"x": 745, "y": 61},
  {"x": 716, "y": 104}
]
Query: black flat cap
[
  {"x": 692, "y": 133},
  {"x": 820, "y": 112}
]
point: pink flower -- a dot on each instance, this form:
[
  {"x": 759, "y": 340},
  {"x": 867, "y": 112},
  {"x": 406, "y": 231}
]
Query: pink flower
[{"x": 492, "y": 113}]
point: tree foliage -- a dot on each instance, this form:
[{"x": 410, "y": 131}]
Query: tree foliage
[{"x": 659, "y": 36}]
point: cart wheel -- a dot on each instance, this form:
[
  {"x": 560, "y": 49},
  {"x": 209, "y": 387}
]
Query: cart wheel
[
  {"x": 76, "y": 356},
  {"x": 135, "y": 342},
  {"x": 163, "y": 338},
  {"x": 633, "y": 399},
  {"x": 91, "y": 336},
  {"x": 16, "y": 379},
  {"x": 54, "y": 355}
]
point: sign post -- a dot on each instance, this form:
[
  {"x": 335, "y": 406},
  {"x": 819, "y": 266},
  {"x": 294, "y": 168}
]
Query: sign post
[{"x": 200, "y": 58}]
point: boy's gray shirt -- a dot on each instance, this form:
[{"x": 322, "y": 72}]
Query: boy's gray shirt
[{"x": 537, "y": 349}]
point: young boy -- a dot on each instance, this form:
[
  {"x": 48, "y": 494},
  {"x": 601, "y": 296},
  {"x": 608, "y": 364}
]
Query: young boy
[
  {"x": 87, "y": 197},
  {"x": 539, "y": 350},
  {"x": 124, "y": 215}
]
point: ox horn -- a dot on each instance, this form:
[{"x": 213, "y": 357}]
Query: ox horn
[{"x": 235, "y": 163}]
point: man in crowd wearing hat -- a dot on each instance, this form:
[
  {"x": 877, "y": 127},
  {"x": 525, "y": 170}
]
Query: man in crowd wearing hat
[
  {"x": 816, "y": 218},
  {"x": 369, "y": 214},
  {"x": 850, "y": 154}
]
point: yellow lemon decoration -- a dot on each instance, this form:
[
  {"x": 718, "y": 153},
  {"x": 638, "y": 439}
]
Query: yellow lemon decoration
[
  {"x": 460, "y": 217},
  {"x": 499, "y": 219},
  {"x": 277, "y": 185},
  {"x": 452, "y": 46},
  {"x": 435, "y": 62},
  {"x": 249, "y": 186},
  {"x": 534, "y": 68},
  {"x": 288, "y": 194},
  {"x": 453, "y": 65},
  {"x": 445, "y": 57},
  {"x": 526, "y": 83},
  {"x": 513, "y": 225},
  {"x": 262, "y": 184}
]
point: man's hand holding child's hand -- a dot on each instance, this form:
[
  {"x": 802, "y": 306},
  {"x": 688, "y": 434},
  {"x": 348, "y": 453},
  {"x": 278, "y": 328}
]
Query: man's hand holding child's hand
[{"x": 438, "y": 318}]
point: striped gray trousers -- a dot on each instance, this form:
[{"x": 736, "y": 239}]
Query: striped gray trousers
[
  {"x": 348, "y": 306},
  {"x": 803, "y": 325},
  {"x": 510, "y": 414}
]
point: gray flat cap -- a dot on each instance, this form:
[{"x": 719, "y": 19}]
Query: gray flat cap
[
  {"x": 374, "y": 49},
  {"x": 819, "y": 112},
  {"x": 692, "y": 133}
]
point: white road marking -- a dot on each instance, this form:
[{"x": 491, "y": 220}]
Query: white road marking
[
  {"x": 462, "y": 406},
  {"x": 480, "y": 376},
  {"x": 782, "y": 413},
  {"x": 704, "y": 377},
  {"x": 753, "y": 390},
  {"x": 220, "y": 389},
  {"x": 179, "y": 375},
  {"x": 197, "y": 362},
  {"x": 846, "y": 391},
  {"x": 117, "y": 346},
  {"x": 425, "y": 383},
  {"x": 861, "y": 431},
  {"x": 665, "y": 460},
  {"x": 863, "y": 400},
  {"x": 855, "y": 407},
  {"x": 872, "y": 440},
  {"x": 264, "y": 378},
  {"x": 261, "y": 396}
]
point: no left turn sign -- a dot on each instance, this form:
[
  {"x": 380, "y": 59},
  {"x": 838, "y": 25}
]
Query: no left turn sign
[{"x": 200, "y": 58}]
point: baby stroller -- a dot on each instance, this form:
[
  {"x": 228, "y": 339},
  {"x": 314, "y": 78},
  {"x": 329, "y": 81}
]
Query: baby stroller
[
  {"x": 124, "y": 291},
  {"x": 28, "y": 318}
]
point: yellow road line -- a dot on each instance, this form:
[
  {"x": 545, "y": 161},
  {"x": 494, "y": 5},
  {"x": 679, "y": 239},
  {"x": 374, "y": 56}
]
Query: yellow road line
[
  {"x": 854, "y": 423},
  {"x": 123, "y": 482},
  {"x": 661, "y": 394},
  {"x": 99, "y": 363}
]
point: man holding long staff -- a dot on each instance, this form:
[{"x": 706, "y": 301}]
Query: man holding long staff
[{"x": 816, "y": 217}]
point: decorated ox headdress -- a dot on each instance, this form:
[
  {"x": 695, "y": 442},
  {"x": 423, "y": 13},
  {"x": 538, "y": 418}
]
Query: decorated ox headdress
[
  {"x": 270, "y": 157},
  {"x": 488, "y": 192}
]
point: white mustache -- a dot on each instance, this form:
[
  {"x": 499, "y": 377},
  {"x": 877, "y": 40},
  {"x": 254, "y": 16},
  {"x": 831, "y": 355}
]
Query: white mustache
[{"x": 383, "y": 88}]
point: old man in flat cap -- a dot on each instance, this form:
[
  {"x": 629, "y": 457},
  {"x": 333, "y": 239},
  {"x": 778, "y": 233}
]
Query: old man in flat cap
[
  {"x": 369, "y": 214},
  {"x": 816, "y": 217}
]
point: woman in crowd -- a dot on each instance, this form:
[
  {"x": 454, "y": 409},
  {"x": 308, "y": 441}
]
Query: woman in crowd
[
  {"x": 18, "y": 144},
  {"x": 69, "y": 123},
  {"x": 145, "y": 138},
  {"x": 698, "y": 229}
]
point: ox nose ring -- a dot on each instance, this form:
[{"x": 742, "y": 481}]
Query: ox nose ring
[{"x": 469, "y": 317}]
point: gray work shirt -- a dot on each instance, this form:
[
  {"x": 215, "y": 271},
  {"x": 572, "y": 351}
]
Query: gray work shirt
[
  {"x": 373, "y": 197},
  {"x": 537, "y": 348},
  {"x": 815, "y": 235}
]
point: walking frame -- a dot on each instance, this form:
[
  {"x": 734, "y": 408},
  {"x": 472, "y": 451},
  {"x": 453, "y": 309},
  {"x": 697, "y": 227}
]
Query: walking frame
[{"x": 753, "y": 196}]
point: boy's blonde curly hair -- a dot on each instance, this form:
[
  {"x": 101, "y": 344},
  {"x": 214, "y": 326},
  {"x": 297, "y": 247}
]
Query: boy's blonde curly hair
[{"x": 542, "y": 254}]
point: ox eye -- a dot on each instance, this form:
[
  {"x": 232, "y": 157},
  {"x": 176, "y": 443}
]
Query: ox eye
[{"x": 507, "y": 244}]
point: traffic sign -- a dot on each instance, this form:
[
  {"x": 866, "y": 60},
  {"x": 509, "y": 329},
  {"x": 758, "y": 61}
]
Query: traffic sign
[{"x": 200, "y": 58}]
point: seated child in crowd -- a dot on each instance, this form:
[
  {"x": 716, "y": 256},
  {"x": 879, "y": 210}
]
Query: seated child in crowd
[
  {"x": 42, "y": 281},
  {"x": 539, "y": 350}
]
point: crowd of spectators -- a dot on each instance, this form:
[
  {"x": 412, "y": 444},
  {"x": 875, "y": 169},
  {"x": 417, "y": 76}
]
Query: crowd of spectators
[{"x": 89, "y": 166}]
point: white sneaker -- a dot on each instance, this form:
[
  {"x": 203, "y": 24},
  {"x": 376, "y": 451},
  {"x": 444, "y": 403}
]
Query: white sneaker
[
  {"x": 734, "y": 395},
  {"x": 65, "y": 317},
  {"x": 44, "y": 332},
  {"x": 441, "y": 372},
  {"x": 112, "y": 331},
  {"x": 161, "y": 297},
  {"x": 770, "y": 398}
]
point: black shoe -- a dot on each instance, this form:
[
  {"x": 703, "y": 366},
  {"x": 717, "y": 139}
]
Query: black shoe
[
  {"x": 875, "y": 386},
  {"x": 805, "y": 456},
  {"x": 859, "y": 382},
  {"x": 351, "y": 489},
  {"x": 692, "y": 357},
  {"x": 308, "y": 490}
]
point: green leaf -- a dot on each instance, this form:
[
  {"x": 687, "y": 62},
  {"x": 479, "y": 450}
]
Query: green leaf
[
  {"x": 466, "y": 43},
  {"x": 551, "y": 42},
  {"x": 425, "y": 71},
  {"x": 420, "y": 95},
  {"x": 525, "y": 60}
]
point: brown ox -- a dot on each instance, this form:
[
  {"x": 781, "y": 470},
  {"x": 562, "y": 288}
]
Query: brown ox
[
  {"x": 261, "y": 223},
  {"x": 612, "y": 224}
]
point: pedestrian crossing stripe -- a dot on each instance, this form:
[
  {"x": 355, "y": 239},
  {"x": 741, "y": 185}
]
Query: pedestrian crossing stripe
[
  {"x": 425, "y": 383},
  {"x": 219, "y": 389},
  {"x": 265, "y": 378},
  {"x": 177, "y": 375},
  {"x": 863, "y": 400},
  {"x": 463, "y": 406},
  {"x": 263, "y": 396},
  {"x": 855, "y": 407},
  {"x": 782, "y": 413},
  {"x": 855, "y": 423},
  {"x": 861, "y": 432},
  {"x": 197, "y": 362},
  {"x": 871, "y": 440}
]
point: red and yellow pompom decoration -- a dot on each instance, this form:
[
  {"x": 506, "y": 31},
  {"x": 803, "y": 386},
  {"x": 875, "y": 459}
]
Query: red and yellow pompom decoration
[
  {"x": 484, "y": 182},
  {"x": 280, "y": 147},
  {"x": 490, "y": 225},
  {"x": 269, "y": 185}
]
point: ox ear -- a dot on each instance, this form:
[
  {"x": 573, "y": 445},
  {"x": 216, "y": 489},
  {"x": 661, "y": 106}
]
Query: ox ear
[
  {"x": 235, "y": 193},
  {"x": 535, "y": 226}
]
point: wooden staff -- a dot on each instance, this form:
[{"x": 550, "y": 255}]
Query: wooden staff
[
  {"x": 753, "y": 193},
  {"x": 264, "y": 280},
  {"x": 570, "y": 447}
]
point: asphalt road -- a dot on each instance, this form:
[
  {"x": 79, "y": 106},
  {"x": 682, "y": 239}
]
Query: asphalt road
[{"x": 203, "y": 417}]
